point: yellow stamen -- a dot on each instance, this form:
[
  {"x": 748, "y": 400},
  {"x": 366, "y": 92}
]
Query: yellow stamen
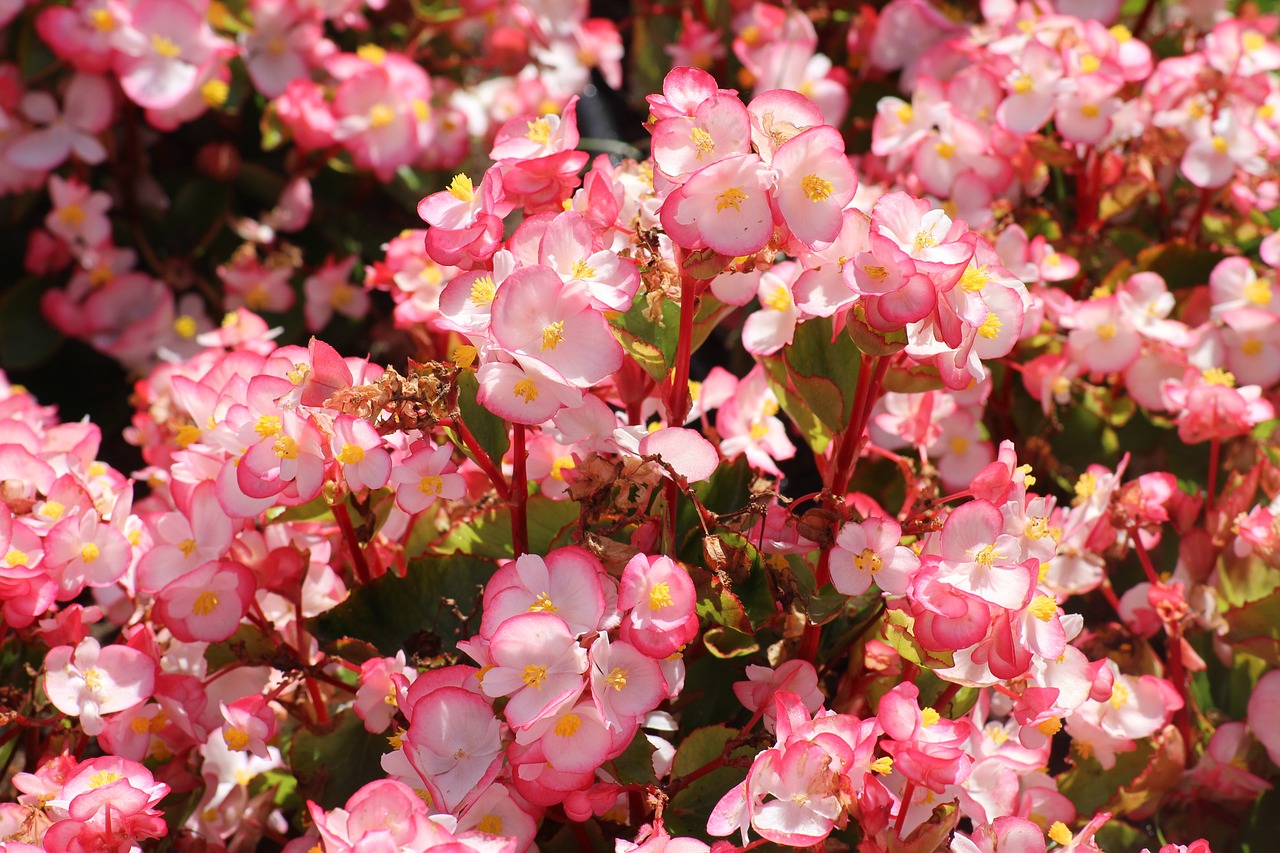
[
  {"x": 882, "y": 765},
  {"x": 462, "y": 189},
  {"x": 351, "y": 454},
  {"x": 285, "y": 447},
  {"x": 539, "y": 131},
  {"x": 237, "y": 740},
  {"x": 581, "y": 269},
  {"x": 990, "y": 328},
  {"x": 1106, "y": 331},
  {"x": 1218, "y": 376},
  {"x": 1043, "y": 608},
  {"x": 732, "y": 197},
  {"x": 205, "y": 603},
  {"x": 164, "y": 46},
  {"x": 371, "y": 53},
  {"x": 534, "y": 675},
  {"x": 552, "y": 335},
  {"x": 104, "y": 777},
  {"x": 867, "y": 561},
  {"x": 89, "y": 552},
  {"x": 660, "y": 596},
  {"x": 490, "y": 824},
  {"x": 928, "y": 717},
  {"x": 185, "y": 327},
  {"x": 483, "y": 290},
  {"x": 381, "y": 115},
  {"x": 267, "y": 426},
  {"x": 526, "y": 390},
  {"x": 543, "y": 604},
  {"x": 816, "y": 188},
  {"x": 187, "y": 546},
  {"x": 702, "y": 141},
  {"x": 617, "y": 678},
  {"x": 568, "y": 725}
]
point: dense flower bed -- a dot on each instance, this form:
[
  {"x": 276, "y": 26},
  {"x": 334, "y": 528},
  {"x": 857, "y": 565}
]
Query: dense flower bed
[{"x": 871, "y": 448}]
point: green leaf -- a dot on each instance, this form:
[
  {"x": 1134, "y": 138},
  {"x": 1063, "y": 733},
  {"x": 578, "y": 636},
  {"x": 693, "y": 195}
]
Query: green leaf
[
  {"x": 896, "y": 629},
  {"x": 650, "y": 340},
  {"x": 1255, "y": 627},
  {"x": 335, "y": 761},
  {"x": 823, "y": 371},
  {"x": 727, "y": 643},
  {"x": 1181, "y": 264},
  {"x": 1090, "y": 787},
  {"x": 392, "y": 610},
  {"x": 635, "y": 765},
  {"x": 816, "y": 434},
  {"x": 26, "y": 340},
  {"x": 489, "y": 429},
  {"x": 687, "y": 813},
  {"x": 488, "y": 533}
]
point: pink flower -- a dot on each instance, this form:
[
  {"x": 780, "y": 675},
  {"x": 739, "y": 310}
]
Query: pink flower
[
  {"x": 89, "y": 681},
  {"x": 454, "y": 741},
  {"x": 724, "y": 206},
  {"x": 1209, "y": 405},
  {"x": 163, "y": 51},
  {"x": 78, "y": 215},
  {"x": 330, "y": 290},
  {"x": 426, "y": 475},
  {"x": 567, "y": 583},
  {"x": 869, "y": 551},
  {"x": 358, "y": 449},
  {"x": 208, "y": 603},
  {"x": 538, "y": 663},
  {"x": 660, "y": 597},
  {"x": 87, "y": 112}
]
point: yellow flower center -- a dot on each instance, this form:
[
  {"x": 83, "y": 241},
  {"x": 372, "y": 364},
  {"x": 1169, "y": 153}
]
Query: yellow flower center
[
  {"x": 905, "y": 113},
  {"x": 581, "y": 269},
  {"x": 185, "y": 327},
  {"x": 381, "y": 115},
  {"x": 187, "y": 546},
  {"x": 526, "y": 390},
  {"x": 1090, "y": 110},
  {"x": 72, "y": 214},
  {"x": 882, "y": 765},
  {"x": 104, "y": 777},
  {"x": 89, "y": 552},
  {"x": 1043, "y": 608},
  {"x": 986, "y": 555},
  {"x": 779, "y": 299},
  {"x": 431, "y": 484},
  {"x": 990, "y": 328},
  {"x": 617, "y": 678},
  {"x": 237, "y": 740},
  {"x": 568, "y": 725},
  {"x": 1050, "y": 727},
  {"x": 732, "y": 197},
  {"x": 816, "y": 188},
  {"x": 483, "y": 290},
  {"x": 1219, "y": 144},
  {"x": 165, "y": 46},
  {"x": 867, "y": 561},
  {"x": 702, "y": 141},
  {"x": 1119, "y": 696},
  {"x": 462, "y": 189},
  {"x": 351, "y": 454},
  {"x": 187, "y": 434},
  {"x": 1251, "y": 346},
  {"x": 102, "y": 20},
  {"x": 1106, "y": 331},
  {"x": 371, "y": 53},
  {"x": 285, "y": 447},
  {"x": 552, "y": 335},
  {"x": 1258, "y": 291},
  {"x": 923, "y": 240},
  {"x": 1253, "y": 40},
  {"x": 534, "y": 675},
  {"x": 1089, "y": 63},
  {"x": 16, "y": 557},
  {"x": 974, "y": 279},
  {"x": 539, "y": 131},
  {"x": 214, "y": 93},
  {"x": 490, "y": 824},
  {"x": 1058, "y": 832},
  {"x": 267, "y": 426},
  {"x": 205, "y": 603},
  {"x": 959, "y": 445},
  {"x": 1218, "y": 376},
  {"x": 946, "y": 150},
  {"x": 660, "y": 596},
  {"x": 543, "y": 604},
  {"x": 928, "y": 717}
]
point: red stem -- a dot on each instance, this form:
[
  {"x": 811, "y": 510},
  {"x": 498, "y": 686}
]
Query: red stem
[
  {"x": 483, "y": 460},
  {"x": 908, "y": 791},
  {"x": 317, "y": 701},
  {"x": 519, "y": 495},
  {"x": 1144, "y": 558},
  {"x": 349, "y": 535}
]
